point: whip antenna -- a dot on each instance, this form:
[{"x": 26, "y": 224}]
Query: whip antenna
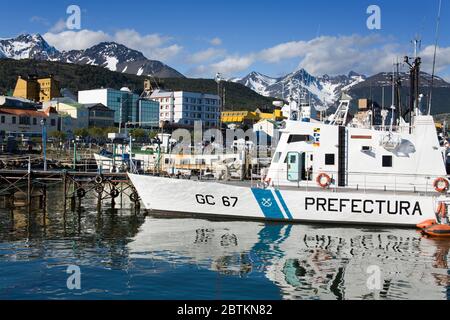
[{"x": 434, "y": 57}]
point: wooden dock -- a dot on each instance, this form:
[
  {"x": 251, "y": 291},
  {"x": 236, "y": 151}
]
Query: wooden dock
[{"x": 26, "y": 185}]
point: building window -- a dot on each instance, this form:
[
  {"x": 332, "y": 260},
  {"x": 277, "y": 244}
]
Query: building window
[
  {"x": 34, "y": 121},
  {"x": 24, "y": 120},
  {"x": 53, "y": 122},
  {"x": 329, "y": 159},
  {"x": 387, "y": 161},
  {"x": 13, "y": 120},
  {"x": 3, "y": 119}
]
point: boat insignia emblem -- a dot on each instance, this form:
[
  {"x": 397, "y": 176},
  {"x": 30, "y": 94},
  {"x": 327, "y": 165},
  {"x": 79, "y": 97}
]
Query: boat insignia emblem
[{"x": 266, "y": 203}]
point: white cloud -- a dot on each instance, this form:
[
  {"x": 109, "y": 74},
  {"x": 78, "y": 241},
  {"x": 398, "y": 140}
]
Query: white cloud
[
  {"x": 76, "y": 40},
  {"x": 153, "y": 46},
  {"x": 133, "y": 39},
  {"x": 442, "y": 58},
  {"x": 216, "y": 41},
  {"x": 206, "y": 55},
  {"x": 335, "y": 55},
  {"x": 232, "y": 64},
  {"x": 59, "y": 26},
  {"x": 328, "y": 55},
  {"x": 165, "y": 53}
]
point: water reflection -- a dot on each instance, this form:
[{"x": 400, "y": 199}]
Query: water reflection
[
  {"x": 305, "y": 262},
  {"x": 125, "y": 255}
]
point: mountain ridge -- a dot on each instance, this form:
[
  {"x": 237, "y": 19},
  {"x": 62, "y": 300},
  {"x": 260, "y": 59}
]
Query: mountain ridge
[
  {"x": 110, "y": 55},
  {"x": 84, "y": 77},
  {"x": 324, "y": 91}
]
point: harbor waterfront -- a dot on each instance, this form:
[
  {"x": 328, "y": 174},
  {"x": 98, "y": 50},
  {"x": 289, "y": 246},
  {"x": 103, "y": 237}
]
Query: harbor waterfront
[
  {"x": 124, "y": 254},
  {"x": 224, "y": 159}
]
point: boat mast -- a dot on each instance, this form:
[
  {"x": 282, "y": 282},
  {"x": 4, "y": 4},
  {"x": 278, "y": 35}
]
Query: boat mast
[
  {"x": 393, "y": 97},
  {"x": 434, "y": 57}
]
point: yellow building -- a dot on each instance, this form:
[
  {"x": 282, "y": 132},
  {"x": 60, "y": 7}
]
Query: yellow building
[
  {"x": 37, "y": 89},
  {"x": 251, "y": 117}
]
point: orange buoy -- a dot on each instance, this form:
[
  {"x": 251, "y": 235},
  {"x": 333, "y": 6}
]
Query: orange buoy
[
  {"x": 426, "y": 224},
  {"x": 438, "y": 230},
  {"x": 323, "y": 180},
  {"x": 441, "y": 185}
]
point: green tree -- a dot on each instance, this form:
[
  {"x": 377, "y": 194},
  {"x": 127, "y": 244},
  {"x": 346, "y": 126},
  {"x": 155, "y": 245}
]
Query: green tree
[
  {"x": 138, "y": 133},
  {"x": 96, "y": 133},
  {"x": 81, "y": 132},
  {"x": 152, "y": 134},
  {"x": 58, "y": 135}
]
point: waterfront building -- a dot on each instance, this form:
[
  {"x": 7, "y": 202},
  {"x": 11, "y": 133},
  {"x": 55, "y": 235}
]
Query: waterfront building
[
  {"x": 184, "y": 108},
  {"x": 127, "y": 106},
  {"x": 73, "y": 115},
  {"x": 21, "y": 118},
  {"x": 38, "y": 89},
  {"x": 249, "y": 118},
  {"x": 99, "y": 115}
]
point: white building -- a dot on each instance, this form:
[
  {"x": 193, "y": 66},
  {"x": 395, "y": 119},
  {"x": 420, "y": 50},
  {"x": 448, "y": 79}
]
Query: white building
[
  {"x": 127, "y": 106},
  {"x": 21, "y": 117},
  {"x": 73, "y": 115},
  {"x": 184, "y": 108}
]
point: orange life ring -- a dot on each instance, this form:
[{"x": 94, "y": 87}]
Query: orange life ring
[
  {"x": 320, "y": 180},
  {"x": 441, "y": 185}
]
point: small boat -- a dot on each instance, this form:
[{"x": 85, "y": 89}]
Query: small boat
[{"x": 441, "y": 226}]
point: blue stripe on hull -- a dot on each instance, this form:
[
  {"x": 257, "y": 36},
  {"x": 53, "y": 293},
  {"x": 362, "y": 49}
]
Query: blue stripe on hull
[
  {"x": 283, "y": 203},
  {"x": 268, "y": 204}
]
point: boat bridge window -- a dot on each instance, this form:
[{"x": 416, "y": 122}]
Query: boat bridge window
[
  {"x": 387, "y": 161},
  {"x": 299, "y": 138},
  {"x": 330, "y": 159}
]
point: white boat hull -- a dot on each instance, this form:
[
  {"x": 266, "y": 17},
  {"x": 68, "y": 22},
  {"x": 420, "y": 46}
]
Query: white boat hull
[{"x": 236, "y": 202}]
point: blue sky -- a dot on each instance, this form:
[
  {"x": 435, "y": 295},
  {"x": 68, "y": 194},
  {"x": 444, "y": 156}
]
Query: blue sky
[{"x": 201, "y": 37}]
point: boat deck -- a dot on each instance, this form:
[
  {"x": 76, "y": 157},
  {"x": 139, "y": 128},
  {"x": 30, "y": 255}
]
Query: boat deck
[{"x": 253, "y": 184}]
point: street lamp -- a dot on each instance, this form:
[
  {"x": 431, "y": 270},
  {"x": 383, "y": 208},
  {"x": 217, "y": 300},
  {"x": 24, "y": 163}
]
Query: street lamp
[
  {"x": 44, "y": 142},
  {"x": 218, "y": 79}
]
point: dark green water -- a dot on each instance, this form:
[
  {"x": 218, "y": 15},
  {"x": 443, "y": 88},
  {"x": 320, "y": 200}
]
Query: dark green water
[{"x": 126, "y": 256}]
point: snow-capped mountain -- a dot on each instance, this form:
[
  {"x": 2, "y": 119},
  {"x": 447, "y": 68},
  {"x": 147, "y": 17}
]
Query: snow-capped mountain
[
  {"x": 111, "y": 55},
  {"x": 27, "y": 47},
  {"x": 323, "y": 90},
  {"x": 117, "y": 57}
]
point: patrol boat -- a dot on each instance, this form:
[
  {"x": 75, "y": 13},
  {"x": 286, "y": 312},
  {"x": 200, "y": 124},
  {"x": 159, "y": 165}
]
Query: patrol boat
[{"x": 333, "y": 171}]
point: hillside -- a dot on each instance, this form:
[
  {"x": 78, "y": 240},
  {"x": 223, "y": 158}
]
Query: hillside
[
  {"x": 83, "y": 77},
  {"x": 325, "y": 90},
  {"x": 110, "y": 55}
]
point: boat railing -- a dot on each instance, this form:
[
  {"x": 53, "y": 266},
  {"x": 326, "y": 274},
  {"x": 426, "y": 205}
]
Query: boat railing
[{"x": 360, "y": 181}]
